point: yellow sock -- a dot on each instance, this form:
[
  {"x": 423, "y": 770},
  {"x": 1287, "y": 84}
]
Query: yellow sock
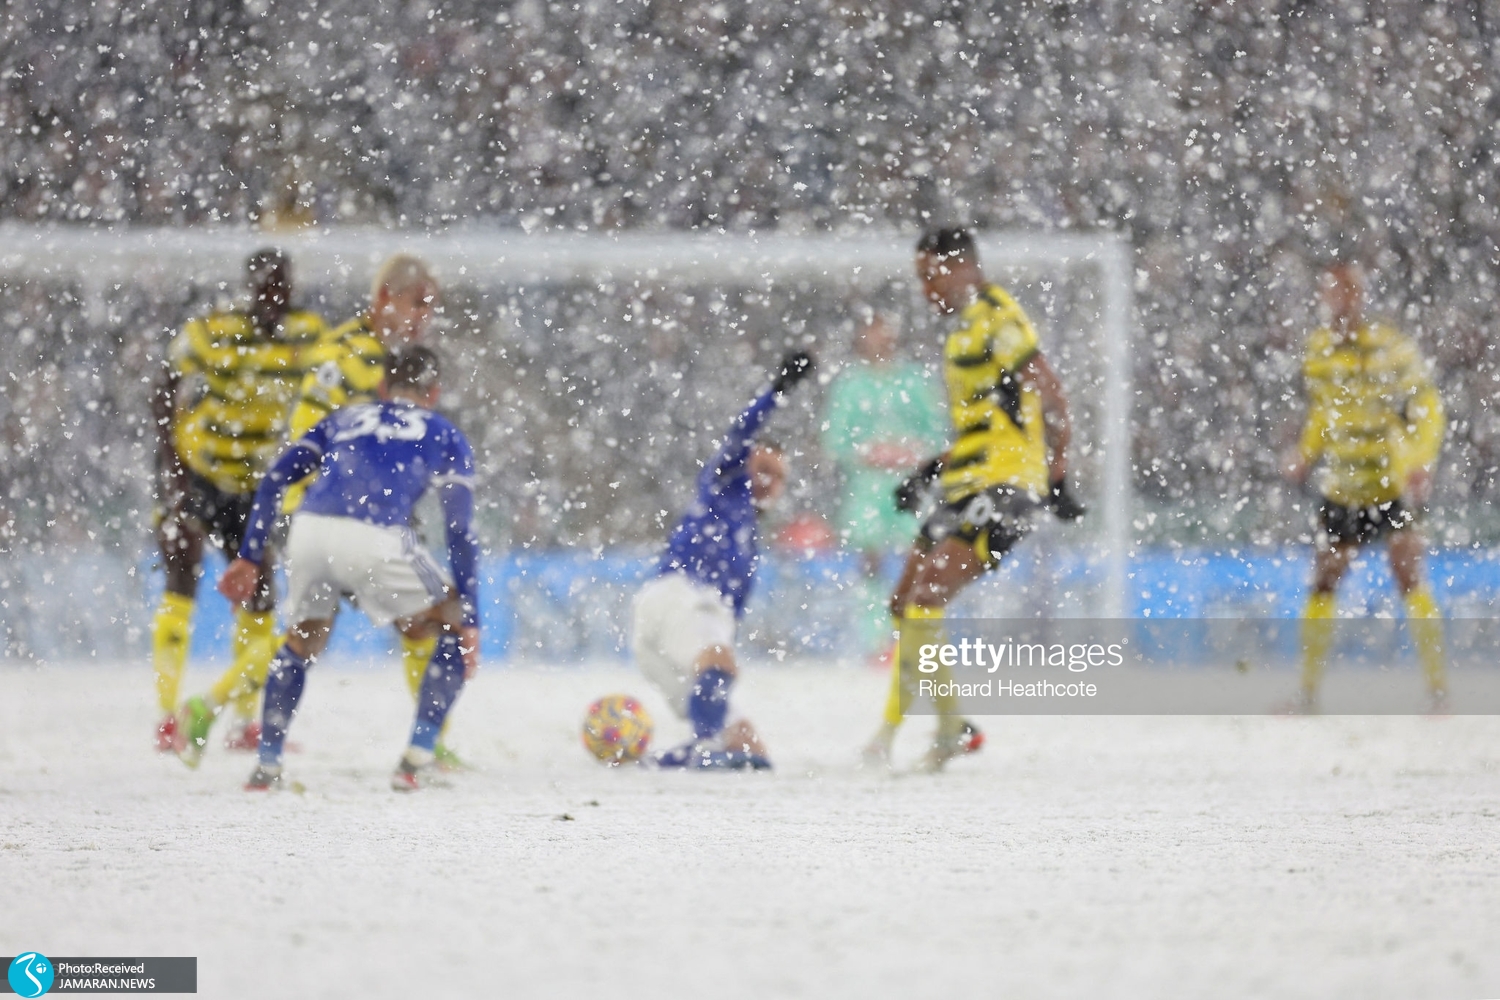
[
  {"x": 171, "y": 632},
  {"x": 895, "y": 711},
  {"x": 1317, "y": 639},
  {"x": 255, "y": 643},
  {"x": 415, "y": 655},
  {"x": 917, "y": 627},
  {"x": 949, "y": 721},
  {"x": 1425, "y": 623}
]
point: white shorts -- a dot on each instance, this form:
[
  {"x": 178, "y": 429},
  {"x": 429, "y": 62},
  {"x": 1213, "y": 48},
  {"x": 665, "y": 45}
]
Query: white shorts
[
  {"x": 384, "y": 569},
  {"x": 674, "y": 620}
]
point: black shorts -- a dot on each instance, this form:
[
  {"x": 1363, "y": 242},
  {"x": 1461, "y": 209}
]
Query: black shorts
[
  {"x": 1362, "y": 525},
  {"x": 991, "y": 522},
  {"x": 223, "y": 515}
]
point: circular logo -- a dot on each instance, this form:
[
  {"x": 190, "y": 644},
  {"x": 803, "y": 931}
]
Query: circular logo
[
  {"x": 30, "y": 974},
  {"x": 328, "y": 375}
]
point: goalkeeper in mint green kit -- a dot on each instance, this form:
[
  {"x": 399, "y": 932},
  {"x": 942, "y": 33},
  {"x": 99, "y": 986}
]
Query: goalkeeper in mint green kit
[{"x": 884, "y": 417}]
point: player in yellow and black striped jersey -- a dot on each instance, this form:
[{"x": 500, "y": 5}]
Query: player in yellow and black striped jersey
[
  {"x": 1008, "y": 458},
  {"x": 1374, "y": 428},
  {"x": 221, "y": 415}
]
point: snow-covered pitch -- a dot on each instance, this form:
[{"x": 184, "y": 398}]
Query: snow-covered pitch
[{"x": 1123, "y": 857}]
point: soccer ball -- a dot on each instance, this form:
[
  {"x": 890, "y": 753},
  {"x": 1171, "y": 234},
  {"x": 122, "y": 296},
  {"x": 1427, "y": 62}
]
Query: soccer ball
[{"x": 617, "y": 729}]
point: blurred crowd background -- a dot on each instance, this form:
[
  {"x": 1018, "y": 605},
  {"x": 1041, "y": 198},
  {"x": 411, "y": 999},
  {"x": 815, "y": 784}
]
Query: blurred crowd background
[{"x": 1238, "y": 145}]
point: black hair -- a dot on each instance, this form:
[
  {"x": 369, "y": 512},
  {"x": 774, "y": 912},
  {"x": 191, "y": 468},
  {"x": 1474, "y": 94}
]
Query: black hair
[
  {"x": 952, "y": 241},
  {"x": 415, "y": 368},
  {"x": 265, "y": 259}
]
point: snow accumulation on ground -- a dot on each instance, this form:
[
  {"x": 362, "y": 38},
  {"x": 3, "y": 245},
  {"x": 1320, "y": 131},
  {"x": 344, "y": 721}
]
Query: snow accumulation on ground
[{"x": 1111, "y": 857}]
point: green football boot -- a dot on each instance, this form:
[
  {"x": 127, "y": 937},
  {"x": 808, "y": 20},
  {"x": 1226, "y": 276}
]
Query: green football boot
[
  {"x": 194, "y": 721},
  {"x": 446, "y": 760}
]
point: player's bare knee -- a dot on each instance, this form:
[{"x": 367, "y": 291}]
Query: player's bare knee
[
  {"x": 741, "y": 736},
  {"x": 1406, "y": 552},
  {"x": 445, "y": 616},
  {"x": 716, "y": 657},
  {"x": 1329, "y": 566},
  {"x": 309, "y": 638}
]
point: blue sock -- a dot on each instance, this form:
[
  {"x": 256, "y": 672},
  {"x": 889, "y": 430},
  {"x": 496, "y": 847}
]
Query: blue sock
[
  {"x": 440, "y": 687},
  {"x": 708, "y": 703},
  {"x": 283, "y": 691}
]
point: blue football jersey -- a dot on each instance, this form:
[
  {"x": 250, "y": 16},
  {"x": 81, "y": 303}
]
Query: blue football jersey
[
  {"x": 715, "y": 541},
  {"x": 375, "y": 461},
  {"x": 379, "y": 458}
]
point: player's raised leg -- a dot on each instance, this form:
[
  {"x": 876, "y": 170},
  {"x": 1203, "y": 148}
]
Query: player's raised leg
[
  {"x": 938, "y": 573},
  {"x": 254, "y": 646}
]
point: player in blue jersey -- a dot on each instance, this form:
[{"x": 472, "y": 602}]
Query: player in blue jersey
[
  {"x": 685, "y": 617},
  {"x": 352, "y": 535}
]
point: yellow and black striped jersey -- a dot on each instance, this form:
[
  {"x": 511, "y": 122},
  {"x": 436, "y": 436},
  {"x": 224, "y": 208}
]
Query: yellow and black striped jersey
[
  {"x": 1373, "y": 413},
  {"x": 231, "y": 415},
  {"x": 346, "y": 367},
  {"x": 997, "y": 420}
]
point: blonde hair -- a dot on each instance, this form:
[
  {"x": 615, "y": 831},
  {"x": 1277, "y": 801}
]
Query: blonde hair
[{"x": 401, "y": 274}]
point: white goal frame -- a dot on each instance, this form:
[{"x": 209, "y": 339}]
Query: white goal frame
[{"x": 102, "y": 256}]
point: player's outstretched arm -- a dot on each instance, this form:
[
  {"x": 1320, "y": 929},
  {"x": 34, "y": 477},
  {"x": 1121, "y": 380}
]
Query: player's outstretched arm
[
  {"x": 735, "y": 450},
  {"x": 1426, "y": 423},
  {"x": 296, "y": 464},
  {"x": 795, "y": 367},
  {"x": 171, "y": 474},
  {"x": 1300, "y": 459},
  {"x": 463, "y": 557},
  {"x": 241, "y": 579},
  {"x": 1057, "y": 428}
]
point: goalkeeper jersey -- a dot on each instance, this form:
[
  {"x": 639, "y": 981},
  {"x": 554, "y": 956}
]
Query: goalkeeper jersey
[
  {"x": 997, "y": 421},
  {"x": 232, "y": 421},
  {"x": 1373, "y": 414}
]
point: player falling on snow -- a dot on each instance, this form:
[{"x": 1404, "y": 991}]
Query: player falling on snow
[
  {"x": 352, "y": 535},
  {"x": 1375, "y": 424},
  {"x": 221, "y": 413},
  {"x": 684, "y": 620},
  {"x": 1008, "y": 458}
]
